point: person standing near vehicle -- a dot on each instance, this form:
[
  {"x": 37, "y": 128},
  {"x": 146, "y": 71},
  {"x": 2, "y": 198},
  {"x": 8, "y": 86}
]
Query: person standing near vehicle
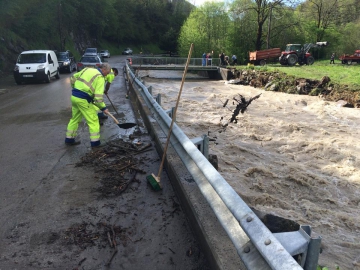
[
  {"x": 88, "y": 90},
  {"x": 108, "y": 80},
  {"x": 332, "y": 59}
]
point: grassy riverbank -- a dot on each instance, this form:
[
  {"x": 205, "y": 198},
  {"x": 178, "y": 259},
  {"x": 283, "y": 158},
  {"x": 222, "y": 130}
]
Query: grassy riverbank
[{"x": 346, "y": 75}]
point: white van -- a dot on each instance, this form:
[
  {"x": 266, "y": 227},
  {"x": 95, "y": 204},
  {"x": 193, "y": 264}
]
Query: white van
[{"x": 37, "y": 65}]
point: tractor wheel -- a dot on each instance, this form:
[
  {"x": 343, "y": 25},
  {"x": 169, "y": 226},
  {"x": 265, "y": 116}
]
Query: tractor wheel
[
  {"x": 292, "y": 59},
  {"x": 283, "y": 62},
  {"x": 310, "y": 60},
  {"x": 262, "y": 62}
]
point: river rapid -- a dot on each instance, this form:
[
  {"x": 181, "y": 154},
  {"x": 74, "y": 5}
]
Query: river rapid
[{"x": 293, "y": 156}]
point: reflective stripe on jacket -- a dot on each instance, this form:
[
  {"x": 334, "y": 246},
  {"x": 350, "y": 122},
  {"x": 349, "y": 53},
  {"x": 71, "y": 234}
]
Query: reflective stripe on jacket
[{"x": 91, "y": 81}]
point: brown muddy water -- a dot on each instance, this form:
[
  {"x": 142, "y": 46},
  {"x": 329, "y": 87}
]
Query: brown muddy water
[{"x": 293, "y": 156}]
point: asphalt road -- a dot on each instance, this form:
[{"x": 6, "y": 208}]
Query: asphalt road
[{"x": 46, "y": 200}]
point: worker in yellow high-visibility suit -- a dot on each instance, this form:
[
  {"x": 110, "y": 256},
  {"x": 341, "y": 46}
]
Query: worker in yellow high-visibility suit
[
  {"x": 108, "y": 80},
  {"x": 88, "y": 90}
]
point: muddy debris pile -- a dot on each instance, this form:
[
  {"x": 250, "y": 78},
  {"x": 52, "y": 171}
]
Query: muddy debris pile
[
  {"x": 101, "y": 234},
  {"x": 118, "y": 165},
  {"x": 281, "y": 82}
]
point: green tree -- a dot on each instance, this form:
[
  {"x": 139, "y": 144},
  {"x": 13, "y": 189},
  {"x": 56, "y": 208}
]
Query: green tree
[
  {"x": 322, "y": 14},
  {"x": 351, "y": 43},
  {"x": 207, "y": 27},
  {"x": 262, "y": 10},
  {"x": 242, "y": 30},
  {"x": 348, "y": 12}
]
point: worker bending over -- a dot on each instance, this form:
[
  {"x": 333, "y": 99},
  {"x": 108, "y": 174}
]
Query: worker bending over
[
  {"x": 108, "y": 80},
  {"x": 88, "y": 90}
]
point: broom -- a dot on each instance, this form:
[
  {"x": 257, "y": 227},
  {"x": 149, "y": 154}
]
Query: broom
[{"x": 154, "y": 180}]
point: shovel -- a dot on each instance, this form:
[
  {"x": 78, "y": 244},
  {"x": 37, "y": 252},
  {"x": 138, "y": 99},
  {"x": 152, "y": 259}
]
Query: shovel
[{"x": 123, "y": 125}]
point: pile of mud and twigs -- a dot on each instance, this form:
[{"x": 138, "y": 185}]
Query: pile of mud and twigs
[
  {"x": 101, "y": 234},
  {"x": 117, "y": 164}
]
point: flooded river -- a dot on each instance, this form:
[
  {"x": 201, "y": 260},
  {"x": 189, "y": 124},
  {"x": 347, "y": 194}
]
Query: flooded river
[{"x": 297, "y": 157}]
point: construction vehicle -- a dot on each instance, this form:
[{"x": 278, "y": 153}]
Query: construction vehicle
[
  {"x": 260, "y": 57},
  {"x": 350, "y": 58},
  {"x": 297, "y": 53}
]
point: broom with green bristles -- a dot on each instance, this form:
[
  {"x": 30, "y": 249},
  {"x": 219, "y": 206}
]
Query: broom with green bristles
[{"x": 154, "y": 180}]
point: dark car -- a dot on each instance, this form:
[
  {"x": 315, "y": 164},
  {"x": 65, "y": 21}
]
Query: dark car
[
  {"x": 67, "y": 62},
  {"x": 127, "y": 51},
  {"x": 89, "y": 61},
  {"x": 91, "y": 51}
]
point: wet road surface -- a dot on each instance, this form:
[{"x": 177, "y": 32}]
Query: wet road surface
[{"x": 45, "y": 198}]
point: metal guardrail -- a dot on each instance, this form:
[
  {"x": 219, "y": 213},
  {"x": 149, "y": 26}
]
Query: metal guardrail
[
  {"x": 154, "y": 60},
  {"x": 259, "y": 249}
]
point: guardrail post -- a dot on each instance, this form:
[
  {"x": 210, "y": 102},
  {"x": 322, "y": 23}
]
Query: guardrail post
[
  {"x": 202, "y": 143},
  {"x": 170, "y": 112},
  {"x": 150, "y": 89},
  {"x": 158, "y": 99},
  {"x": 313, "y": 250},
  {"x": 301, "y": 243}
]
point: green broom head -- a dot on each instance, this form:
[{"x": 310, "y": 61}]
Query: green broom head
[{"x": 154, "y": 182}]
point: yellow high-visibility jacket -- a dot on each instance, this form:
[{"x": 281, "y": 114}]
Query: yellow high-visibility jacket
[
  {"x": 89, "y": 84},
  {"x": 110, "y": 77}
]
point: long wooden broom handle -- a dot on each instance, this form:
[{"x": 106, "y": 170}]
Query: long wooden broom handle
[
  {"x": 116, "y": 121},
  {"x": 176, "y": 106}
]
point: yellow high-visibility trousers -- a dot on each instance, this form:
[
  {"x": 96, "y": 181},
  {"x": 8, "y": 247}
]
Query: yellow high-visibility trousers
[{"x": 82, "y": 108}]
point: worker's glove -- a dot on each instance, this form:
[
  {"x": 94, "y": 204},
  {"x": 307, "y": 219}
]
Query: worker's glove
[{"x": 106, "y": 92}]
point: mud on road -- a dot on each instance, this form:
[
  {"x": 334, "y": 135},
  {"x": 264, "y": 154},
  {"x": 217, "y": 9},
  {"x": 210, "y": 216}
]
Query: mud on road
[{"x": 100, "y": 213}]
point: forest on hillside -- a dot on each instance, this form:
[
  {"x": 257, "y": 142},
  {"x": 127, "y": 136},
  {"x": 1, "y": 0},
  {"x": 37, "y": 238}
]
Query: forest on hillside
[
  {"x": 235, "y": 27},
  {"x": 75, "y": 25},
  {"x": 240, "y": 26}
]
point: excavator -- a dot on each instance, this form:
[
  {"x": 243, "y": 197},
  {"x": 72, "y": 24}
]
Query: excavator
[{"x": 297, "y": 53}]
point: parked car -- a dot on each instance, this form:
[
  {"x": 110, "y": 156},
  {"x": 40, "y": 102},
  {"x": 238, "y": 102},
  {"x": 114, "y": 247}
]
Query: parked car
[
  {"x": 67, "y": 62},
  {"x": 36, "y": 65},
  {"x": 127, "y": 51},
  {"x": 91, "y": 51},
  {"x": 105, "y": 53},
  {"x": 89, "y": 61}
]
